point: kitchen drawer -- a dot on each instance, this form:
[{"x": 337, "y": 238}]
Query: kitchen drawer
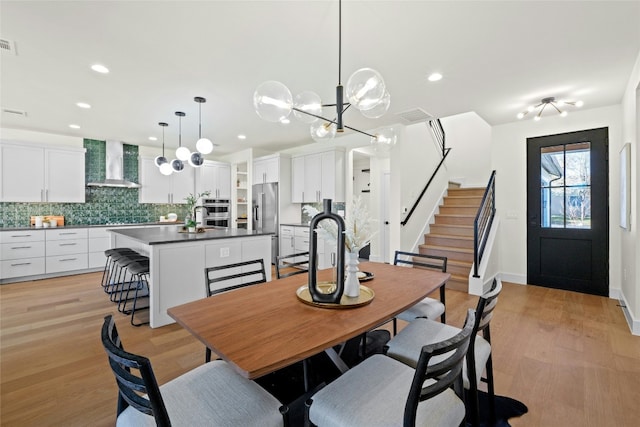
[
  {"x": 99, "y": 244},
  {"x": 286, "y": 230},
  {"x": 57, "y": 264},
  {"x": 301, "y": 231},
  {"x": 21, "y": 267},
  {"x": 65, "y": 247},
  {"x": 20, "y": 250},
  {"x": 67, "y": 234},
  {"x": 97, "y": 259},
  {"x": 21, "y": 236},
  {"x": 99, "y": 232}
]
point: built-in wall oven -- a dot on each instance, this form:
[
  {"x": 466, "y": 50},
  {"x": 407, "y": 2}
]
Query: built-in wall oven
[{"x": 217, "y": 212}]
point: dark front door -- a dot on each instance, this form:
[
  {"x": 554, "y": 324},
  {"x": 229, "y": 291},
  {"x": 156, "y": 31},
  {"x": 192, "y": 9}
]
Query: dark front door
[{"x": 567, "y": 211}]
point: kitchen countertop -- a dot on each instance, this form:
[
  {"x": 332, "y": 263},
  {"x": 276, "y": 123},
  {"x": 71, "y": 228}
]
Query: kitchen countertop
[
  {"x": 295, "y": 224},
  {"x": 139, "y": 224},
  {"x": 160, "y": 235}
]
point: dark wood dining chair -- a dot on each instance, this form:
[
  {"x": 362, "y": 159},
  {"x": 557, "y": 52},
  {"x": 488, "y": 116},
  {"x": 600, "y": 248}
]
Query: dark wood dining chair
[
  {"x": 225, "y": 278},
  {"x": 290, "y": 265},
  {"x": 430, "y": 308},
  {"x": 382, "y": 392},
  {"x": 211, "y": 394},
  {"x": 406, "y": 347}
]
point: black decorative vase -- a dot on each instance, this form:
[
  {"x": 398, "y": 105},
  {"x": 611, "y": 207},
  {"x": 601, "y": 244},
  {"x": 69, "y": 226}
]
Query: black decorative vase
[{"x": 316, "y": 294}]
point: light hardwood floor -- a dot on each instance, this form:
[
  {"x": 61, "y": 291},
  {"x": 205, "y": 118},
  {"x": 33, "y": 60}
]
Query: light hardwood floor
[{"x": 569, "y": 357}]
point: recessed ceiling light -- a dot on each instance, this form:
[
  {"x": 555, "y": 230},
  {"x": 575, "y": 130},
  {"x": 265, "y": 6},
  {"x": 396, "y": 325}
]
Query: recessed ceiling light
[
  {"x": 99, "y": 68},
  {"x": 74, "y": 126},
  {"x": 83, "y": 105},
  {"x": 153, "y": 138},
  {"x": 435, "y": 77},
  {"x": 241, "y": 136}
]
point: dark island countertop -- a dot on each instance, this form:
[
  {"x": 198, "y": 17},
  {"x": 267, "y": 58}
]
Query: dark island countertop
[{"x": 160, "y": 235}]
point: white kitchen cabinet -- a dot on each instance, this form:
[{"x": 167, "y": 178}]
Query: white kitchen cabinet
[
  {"x": 214, "y": 177},
  {"x": 66, "y": 250},
  {"x": 324, "y": 248},
  {"x": 318, "y": 176},
  {"x": 99, "y": 241},
  {"x": 33, "y": 173},
  {"x": 266, "y": 169},
  {"x": 22, "y": 253},
  {"x": 287, "y": 240},
  {"x": 159, "y": 188}
]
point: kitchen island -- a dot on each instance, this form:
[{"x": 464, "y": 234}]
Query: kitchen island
[{"x": 177, "y": 260}]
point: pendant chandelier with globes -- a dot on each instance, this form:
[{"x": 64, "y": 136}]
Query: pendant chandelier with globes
[
  {"x": 183, "y": 154},
  {"x": 365, "y": 90}
]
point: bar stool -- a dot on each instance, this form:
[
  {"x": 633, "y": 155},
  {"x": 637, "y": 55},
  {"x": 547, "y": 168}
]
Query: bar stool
[
  {"x": 139, "y": 271},
  {"x": 110, "y": 264},
  {"x": 125, "y": 278}
]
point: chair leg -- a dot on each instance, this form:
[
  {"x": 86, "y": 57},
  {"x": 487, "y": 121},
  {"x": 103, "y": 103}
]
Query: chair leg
[
  {"x": 491, "y": 390},
  {"x": 307, "y": 407},
  {"x": 207, "y": 355},
  {"x": 395, "y": 326}
]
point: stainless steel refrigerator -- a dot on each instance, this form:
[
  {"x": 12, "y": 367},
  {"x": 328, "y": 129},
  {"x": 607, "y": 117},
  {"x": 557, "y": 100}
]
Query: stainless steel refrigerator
[{"x": 265, "y": 212}]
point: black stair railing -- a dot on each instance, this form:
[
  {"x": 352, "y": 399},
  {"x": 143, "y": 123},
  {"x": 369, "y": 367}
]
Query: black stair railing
[
  {"x": 438, "y": 133},
  {"x": 483, "y": 221}
]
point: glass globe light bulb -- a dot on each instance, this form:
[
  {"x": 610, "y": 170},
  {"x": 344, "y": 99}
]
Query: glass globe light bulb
[
  {"x": 177, "y": 165},
  {"x": 310, "y": 102},
  {"x": 379, "y": 109},
  {"x": 160, "y": 160},
  {"x": 166, "y": 169},
  {"x": 384, "y": 140},
  {"x": 204, "y": 145},
  {"x": 563, "y": 114},
  {"x": 323, "y": 131},
  {"x": 365, "y": 88},
  {"x": 272, "y": 101},
  {"x": 183, "y": 153},
  {"x": 536, "y": 118},
  {"x": 196, "y": 159},
  {"x": 520, "y": 115},
  {"x": 579, "y": 104}
]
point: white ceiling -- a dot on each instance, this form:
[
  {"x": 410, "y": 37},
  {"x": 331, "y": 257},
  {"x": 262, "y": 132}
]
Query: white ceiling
[{"x": 496, "y": 58}]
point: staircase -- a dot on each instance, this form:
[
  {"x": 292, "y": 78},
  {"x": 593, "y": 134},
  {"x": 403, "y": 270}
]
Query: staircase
[{"x": 452, "y": 234}]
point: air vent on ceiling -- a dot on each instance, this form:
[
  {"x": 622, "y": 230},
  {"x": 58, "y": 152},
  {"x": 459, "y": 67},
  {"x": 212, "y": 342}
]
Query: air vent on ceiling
[
  {"x": 16, "y": 112},
  {"x": 416, "y": 115},
  {"x": 8, "y": 46}
]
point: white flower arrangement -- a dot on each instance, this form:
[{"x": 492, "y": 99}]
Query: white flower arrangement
[{"x": 358, "y": 226}]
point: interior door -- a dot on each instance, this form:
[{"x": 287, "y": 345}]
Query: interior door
[{"x": 567, "y": 211}]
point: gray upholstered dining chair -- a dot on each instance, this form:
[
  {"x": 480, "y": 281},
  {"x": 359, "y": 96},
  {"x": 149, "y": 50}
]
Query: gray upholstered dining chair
[
  {"x": 406, "y": 347},
  {"x": 225, "y": 278},
  {"x": 428, "y": 307},
  {"x": 383, "y": 392},
  {"x": 211, "y": 394}
]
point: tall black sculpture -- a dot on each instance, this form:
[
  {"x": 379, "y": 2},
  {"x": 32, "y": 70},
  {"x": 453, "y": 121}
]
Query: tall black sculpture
[{"x": 316, "y": 294}]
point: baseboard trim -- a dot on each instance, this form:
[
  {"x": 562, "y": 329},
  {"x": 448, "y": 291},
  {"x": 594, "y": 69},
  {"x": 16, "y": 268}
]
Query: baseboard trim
[
  {"x": 519, "y": 279},
  {"x": 634, "y": 324}
]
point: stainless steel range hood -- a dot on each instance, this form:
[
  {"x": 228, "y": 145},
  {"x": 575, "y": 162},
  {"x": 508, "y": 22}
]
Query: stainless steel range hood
[{"x": 114, "y": 168}]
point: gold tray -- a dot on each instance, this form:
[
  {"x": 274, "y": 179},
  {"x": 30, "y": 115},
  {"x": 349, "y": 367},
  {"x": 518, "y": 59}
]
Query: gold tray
[{"x": 366, "y": 296}]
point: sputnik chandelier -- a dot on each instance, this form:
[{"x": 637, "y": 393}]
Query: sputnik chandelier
[
  {"x": 550, "y": 101},
  {"x": 365, "y": 90}
]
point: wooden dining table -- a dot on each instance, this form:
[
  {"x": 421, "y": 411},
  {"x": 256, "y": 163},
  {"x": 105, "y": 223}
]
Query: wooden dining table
[{"x": 262, "y": 328}]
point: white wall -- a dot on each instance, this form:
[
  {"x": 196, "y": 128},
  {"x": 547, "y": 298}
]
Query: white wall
[
  {"x": 630, "y": 239},
  {"x": 469, "y": 137},
  {"x": 509, "y": 160}
]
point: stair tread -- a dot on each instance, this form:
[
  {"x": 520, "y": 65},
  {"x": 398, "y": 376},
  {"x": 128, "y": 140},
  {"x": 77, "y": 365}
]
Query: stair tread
[
  {"x": 446, "y": 248},
  {"x": 453, "y": 225},
  {"x": 449, "y": 236}
]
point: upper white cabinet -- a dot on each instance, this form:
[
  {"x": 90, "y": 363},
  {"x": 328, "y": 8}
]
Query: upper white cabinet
[
  {"x": 214, "y": 177},
  {"x": 32, "y": 173},
  {"x": 159, "y": 188},
  {"x": 318, "y": 176},
  {"x": 266, "y": 169}
]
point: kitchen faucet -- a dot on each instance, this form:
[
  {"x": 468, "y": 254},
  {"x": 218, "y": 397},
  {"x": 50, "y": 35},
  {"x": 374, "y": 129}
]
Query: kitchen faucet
[{"x": 194, "y": 213}]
